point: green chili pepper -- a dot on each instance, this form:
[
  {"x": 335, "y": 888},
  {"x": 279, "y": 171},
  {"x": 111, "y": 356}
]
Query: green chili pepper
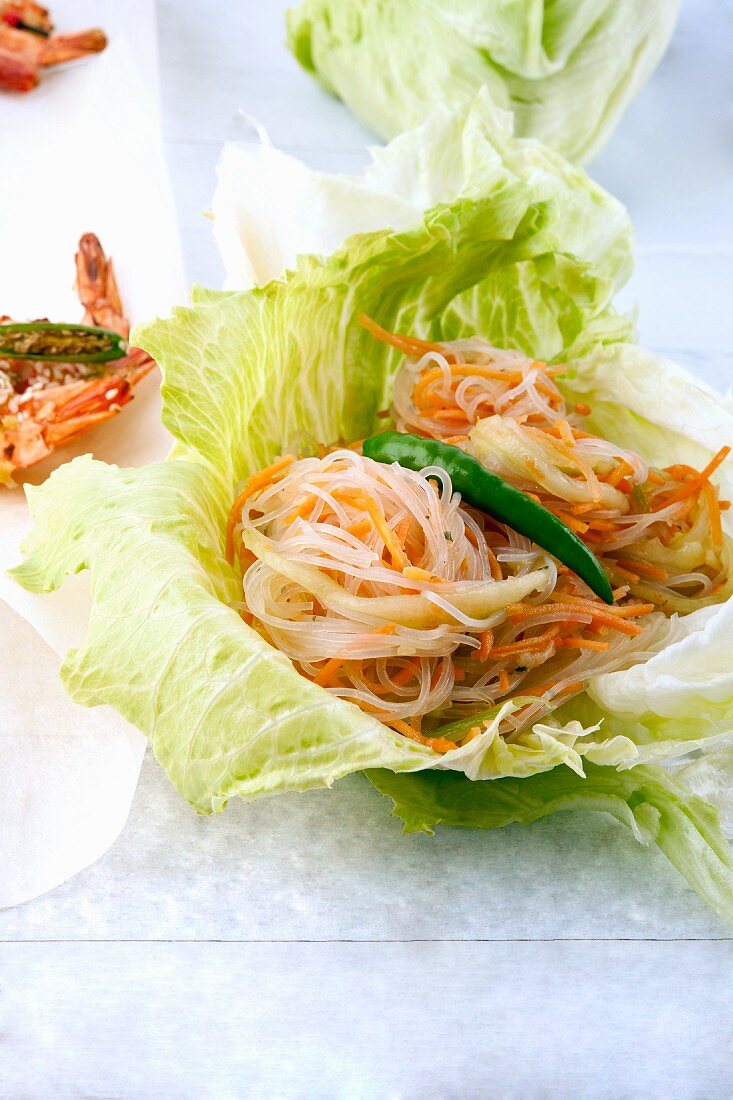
[
  {"x": 491, "y": 494},
  {"x": 40, "y": 31},
  {"x": 52, "y": 343}
]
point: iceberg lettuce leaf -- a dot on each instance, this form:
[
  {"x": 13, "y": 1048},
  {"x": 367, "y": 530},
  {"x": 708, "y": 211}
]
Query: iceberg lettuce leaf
[
  {"x": 654, "y": 806},
  {"x": 517, "y": 245},
  {"x": 567, "y": 71}
]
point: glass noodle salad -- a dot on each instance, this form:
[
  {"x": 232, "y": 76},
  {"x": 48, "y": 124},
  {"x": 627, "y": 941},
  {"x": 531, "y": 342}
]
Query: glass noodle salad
[{"x": 421, "y": 604}]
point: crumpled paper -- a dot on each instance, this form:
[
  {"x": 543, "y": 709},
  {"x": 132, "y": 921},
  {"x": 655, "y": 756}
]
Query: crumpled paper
[{"x": 81, "y": 153}]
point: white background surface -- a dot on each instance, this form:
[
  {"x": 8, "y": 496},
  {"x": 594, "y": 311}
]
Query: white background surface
[{"x": 302, "y": 946}]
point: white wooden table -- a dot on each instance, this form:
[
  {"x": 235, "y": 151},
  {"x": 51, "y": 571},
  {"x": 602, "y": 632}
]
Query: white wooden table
[{"x": 301, "y": 947}]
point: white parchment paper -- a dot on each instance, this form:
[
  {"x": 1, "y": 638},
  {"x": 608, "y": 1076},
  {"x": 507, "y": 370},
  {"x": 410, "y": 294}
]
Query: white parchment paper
[{"x": 81, "y": 153}]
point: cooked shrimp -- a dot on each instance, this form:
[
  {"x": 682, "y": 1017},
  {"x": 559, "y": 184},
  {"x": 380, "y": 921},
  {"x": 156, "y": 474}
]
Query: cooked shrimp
[
  {"x": 27, "y": 44},
  {"x": 44, "y": 405}
]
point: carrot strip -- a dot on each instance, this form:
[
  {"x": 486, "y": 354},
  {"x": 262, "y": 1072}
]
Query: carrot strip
[
  {"x": 598, "y": 614},
  {"x": 327, "y": 673},
  {"x": 716, "y": 461},
  {"x": 402, "y": 530},
  {"x": 254, "y": 483},
  {"x": 362, "y": 500},
  {"x": 360, "y": 528},
  {"x": 438, "y": 744},
  {"x": 526, "y": 645},
  {"x": 487, "y": 641},
  {"x": 619, "y": 473},
  {"x": 503, "y": 681},
  {"x": 653, "y": 571},
  {"x": 407, "y": 673},
  {"x": 303, "y": 509},
  {"x": 409, "y": 345},
  {"x": 576, "y": 525},
  {"x": 632, "y": 610},
  {"x": 696, "y": 484},
  {"x": 494, "y": 565}
]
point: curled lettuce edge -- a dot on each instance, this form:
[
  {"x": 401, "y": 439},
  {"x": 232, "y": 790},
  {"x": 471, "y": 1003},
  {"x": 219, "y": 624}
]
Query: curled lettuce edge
[
  {"x": 654, "y": 806},
  {"x": 567, "y": 71}
]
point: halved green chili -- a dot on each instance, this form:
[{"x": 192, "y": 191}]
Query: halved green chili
[
  {"x": 60, "y": 343},
  {"x": 491, "y": 494}
]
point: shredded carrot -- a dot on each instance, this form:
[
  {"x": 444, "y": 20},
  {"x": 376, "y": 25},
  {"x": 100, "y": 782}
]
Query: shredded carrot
[
  {"x": 548, "y": 391},
  {"x": 437, "y": 673},
  {"x": 582, "y": 408},
  {"x": 487, "y": 641},
  {"x": 576, "y": 525},
  {"x": 653, "y": 571},
  {"x": 581, "y": 509},
  {"x": 724, "y": 505},
  {"x": 402, "y": 529},
  {"x": 462, "y": 370},
  {"x": 716, "y": 461},
  {"x": 681, "y": 471},
  {"x": 694, "y": 486},
  {"x": 410, "y": 345},
  {"x": 303, "y": 508},
  {"x": 254, "y": 484},
  {"x": 471, "y": 735},
  {"x": 388, "y": 628},
  {"x": 601, "y": 525},
  {"x": 570, "y": 604},
  {"x": 327, "y": 673},
  {"x": 526, "y": 645},
  {"x": 438, "y": 744},
  {"x": 619, "y": 473},
  {"x": 503, "y": 681},
  {"x": 631, "y": 610},
  {"x": 655, "y": 478},
  {"x": 363, "y": 500},
  {"x": 407, "y": 673},
  {"x": 360, "y": 528},
  {"x": 494, "y": 565}
]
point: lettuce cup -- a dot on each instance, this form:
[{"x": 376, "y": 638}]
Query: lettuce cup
[{"x": 283, "y": 602}]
